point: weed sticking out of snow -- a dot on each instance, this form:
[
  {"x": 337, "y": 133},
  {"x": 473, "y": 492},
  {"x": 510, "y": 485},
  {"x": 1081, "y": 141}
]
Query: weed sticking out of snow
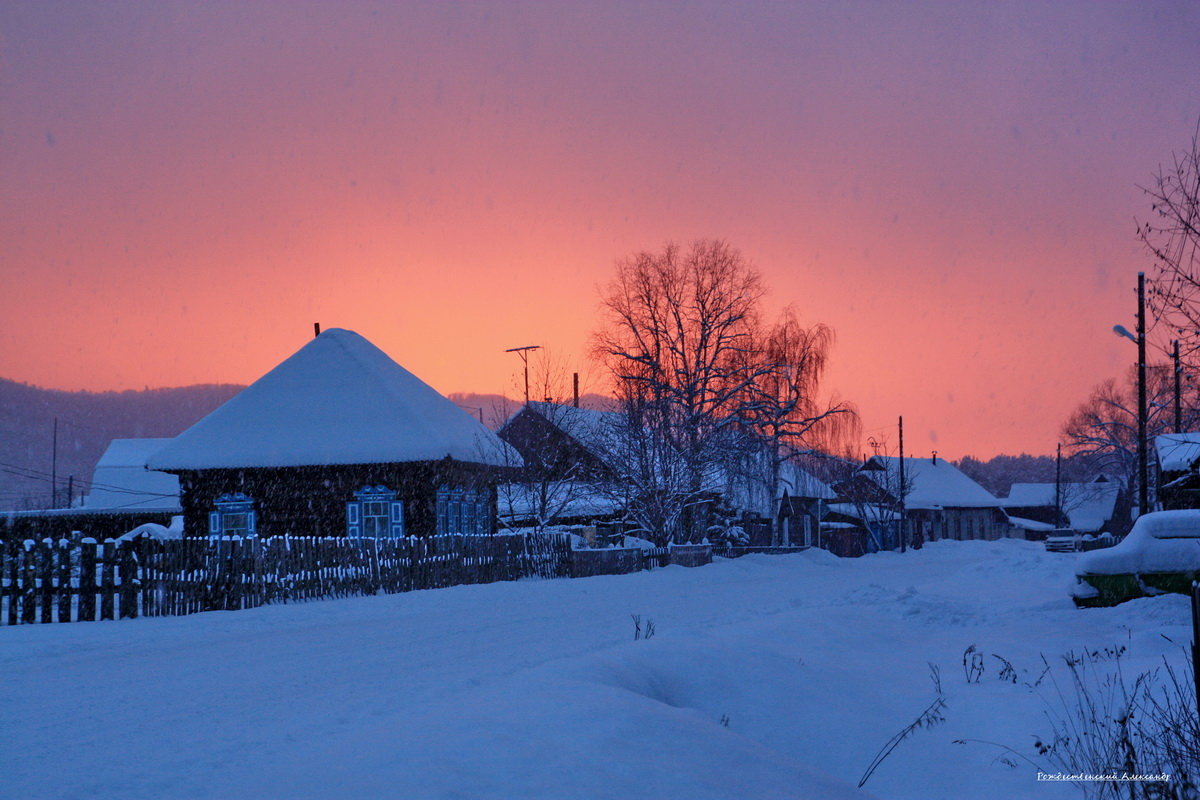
[
  {"x": 973, "y": 664},
  {"x": 932, "y": 715},
  {"x": 640, "y": 632},
  {"x": 1105, "y": 723}
]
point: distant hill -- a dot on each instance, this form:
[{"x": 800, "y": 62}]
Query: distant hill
[{"x": 87, "y": 422}]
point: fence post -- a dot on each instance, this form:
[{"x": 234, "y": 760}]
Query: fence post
[
  {"x": 87, "y": 580},
  {"x": 63, "y": 562},
  {"x": 1196, "y": 641},
  {"x": 29, "y": 584},
  {"x": 12, "y": 575},
  {"x": 107, "y": 580},
  {"x": 127, "y": 563},
  {"x": 45, "y": 554}
]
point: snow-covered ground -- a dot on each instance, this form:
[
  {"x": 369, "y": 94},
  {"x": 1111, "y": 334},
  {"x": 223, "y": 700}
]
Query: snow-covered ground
[{"x": 767, "y": 677}]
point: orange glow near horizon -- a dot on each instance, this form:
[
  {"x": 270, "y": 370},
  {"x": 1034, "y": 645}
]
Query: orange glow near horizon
[{"x": 188, "y": 188}]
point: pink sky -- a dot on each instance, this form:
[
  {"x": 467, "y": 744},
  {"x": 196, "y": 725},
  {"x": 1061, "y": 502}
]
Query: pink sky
[{"x": 187, "y": 187}]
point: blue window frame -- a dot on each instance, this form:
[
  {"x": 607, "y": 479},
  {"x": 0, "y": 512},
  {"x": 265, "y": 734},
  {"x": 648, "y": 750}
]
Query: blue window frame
[
  {"x": 461, "y": 510},
  {"x": 233, "y": 515},
  {"x": 375, "y": 513}
]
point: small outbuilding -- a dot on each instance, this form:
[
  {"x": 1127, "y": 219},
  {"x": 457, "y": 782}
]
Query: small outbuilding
[{"x": 338, "y": 440}]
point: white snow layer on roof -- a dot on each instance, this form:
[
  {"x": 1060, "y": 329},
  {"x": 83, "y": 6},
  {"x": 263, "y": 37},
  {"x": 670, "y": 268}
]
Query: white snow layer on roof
[
  {"x": 121, "y": 480},
  {"x": 1163, "y": 541},
  {"x": 1030, "y": 524},
  {"x": 338, "y": 400},
  {"x": 599, "y": 432},
  {"x": 1177, "y": 452},
  {"x": 563, "y": 499},
  {"x": 799, "y": 482},
  {"x": 1088, "y": 506},
  {"x": 594, "y": 430},
  {"x": 932, "y": 484}
]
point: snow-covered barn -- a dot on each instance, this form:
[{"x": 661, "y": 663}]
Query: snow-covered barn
[{"x": 338, "y": 440}]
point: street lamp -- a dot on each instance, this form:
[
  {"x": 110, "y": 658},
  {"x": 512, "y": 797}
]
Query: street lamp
[
  {"x": 523, "y": 352},
  {"x": 1140, "y": 340}
]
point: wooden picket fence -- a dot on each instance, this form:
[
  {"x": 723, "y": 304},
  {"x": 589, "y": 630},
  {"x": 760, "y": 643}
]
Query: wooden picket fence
[{"x": 65, "y": 581}]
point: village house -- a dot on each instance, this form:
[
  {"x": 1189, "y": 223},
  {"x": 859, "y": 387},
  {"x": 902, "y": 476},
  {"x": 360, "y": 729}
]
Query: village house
[
  {"x": 581, "y": 446},
  {"x": 1088, "y": 508},
  {"x": 940, "y": 501},
  {"x": 1177, "y": 456},
  {"x": 338, "y": 440},
  {"x": 566, "y": 442}
]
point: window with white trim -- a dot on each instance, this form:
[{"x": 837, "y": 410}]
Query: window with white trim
[
  {"x": 375, "y": 513},
  {"x": 233, "y": 516},
  {"x": 461, "y": 510}
]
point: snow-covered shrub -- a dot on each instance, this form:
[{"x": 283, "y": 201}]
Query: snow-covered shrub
[{"x": 728, "y": 535}]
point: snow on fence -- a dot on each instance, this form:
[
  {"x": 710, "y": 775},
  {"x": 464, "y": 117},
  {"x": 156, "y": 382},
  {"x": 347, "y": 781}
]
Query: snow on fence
[
  {"x": 64, "y": 581},
  {"x": 730, "y": 551}
]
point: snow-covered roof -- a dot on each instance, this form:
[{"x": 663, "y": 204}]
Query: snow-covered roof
[
  {"x": 799, "y": 482},
  {"x": 338, "y": 400},
  {"x": 593, "y": 429},
  {"x": 564, "y": 499},
  {"x": 1031, "y": 524},
  {"x": 931, "y": 484},
  {"x": 868, "y": 511},
  {"x": 1177, "y": 452},
  {"x": 121, "y": 480},
  {"x": 1088, "y": 506},
  {"x": 599, "y": 433}
]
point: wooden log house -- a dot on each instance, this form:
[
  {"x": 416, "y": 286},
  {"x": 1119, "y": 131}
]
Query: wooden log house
[{"x": 338, "y": 440}]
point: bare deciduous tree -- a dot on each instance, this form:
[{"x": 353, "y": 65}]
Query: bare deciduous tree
[
  {"x": 1105, "y": 425},
  {"x": 1173, "y": 238},
  {"x": 678, "y": 326},
  {"x": 783, "y": 409},
  {"x": 716, "y": 395}
]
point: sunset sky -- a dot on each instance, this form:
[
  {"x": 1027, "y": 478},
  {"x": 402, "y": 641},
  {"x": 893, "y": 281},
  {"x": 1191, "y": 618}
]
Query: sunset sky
[{"x": 186, "y": 187}]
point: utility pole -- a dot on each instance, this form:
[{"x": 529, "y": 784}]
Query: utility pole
[
  {"x": 1178, "y": 407},
  {"x": 1143, "y": 487},
  {"x": 1058, "y": 512},
  {"x": 523, "y": 352},
  {"x": 54, "y": 467},
  {"x": 70, "y": 489},
  {"x": 903, "y": 542}
]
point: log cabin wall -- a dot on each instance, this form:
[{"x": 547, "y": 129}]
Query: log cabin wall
[{"x": 311, "y": 501}]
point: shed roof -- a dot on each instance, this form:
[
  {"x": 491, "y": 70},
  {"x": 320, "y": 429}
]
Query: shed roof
[{"x": 337, "y": 400}]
